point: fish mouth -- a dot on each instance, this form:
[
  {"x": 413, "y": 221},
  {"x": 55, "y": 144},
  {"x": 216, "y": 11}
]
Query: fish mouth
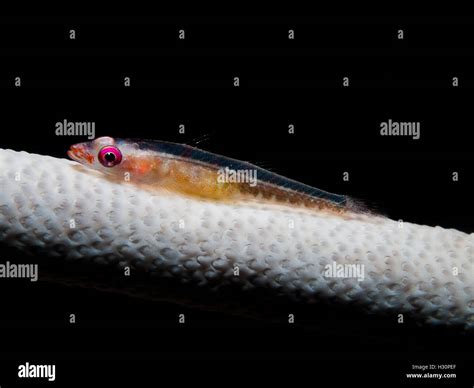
[
  {"x": 78, "y": 153},
  {"x": 71, "y": 154},
  {"x": 74, "y": 152}
]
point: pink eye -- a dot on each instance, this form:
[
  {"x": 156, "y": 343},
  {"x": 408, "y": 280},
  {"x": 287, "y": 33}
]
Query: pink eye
[{"x": 110, "y": 156}]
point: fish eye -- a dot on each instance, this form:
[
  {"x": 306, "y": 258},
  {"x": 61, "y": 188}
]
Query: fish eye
[{"x": 110, "y": 156}]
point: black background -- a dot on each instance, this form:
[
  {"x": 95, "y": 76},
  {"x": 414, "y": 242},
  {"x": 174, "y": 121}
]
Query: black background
[{"x": 283, "y": 82}]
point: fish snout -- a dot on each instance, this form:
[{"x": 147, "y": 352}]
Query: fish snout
[{"x": 79, "y": 153}]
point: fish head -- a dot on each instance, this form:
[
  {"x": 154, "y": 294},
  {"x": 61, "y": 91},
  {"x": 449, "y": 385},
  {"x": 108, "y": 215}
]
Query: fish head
[
  {"x": 113, "y": 157},
  {"x": 103, "y": 153}
]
